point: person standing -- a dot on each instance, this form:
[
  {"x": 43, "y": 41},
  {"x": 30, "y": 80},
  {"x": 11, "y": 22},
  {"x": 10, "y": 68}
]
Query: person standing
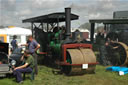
[
  {"x": 33, "y": 46},
  {"x": 14, "y": 43},
  {"x": 102, "y": 48}
]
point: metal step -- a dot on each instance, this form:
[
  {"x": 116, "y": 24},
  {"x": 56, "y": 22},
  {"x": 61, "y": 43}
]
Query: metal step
[{"x": 4, "y": 67}]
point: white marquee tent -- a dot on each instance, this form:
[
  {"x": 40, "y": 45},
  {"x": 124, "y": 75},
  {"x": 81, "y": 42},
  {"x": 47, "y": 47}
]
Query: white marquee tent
[
  {"x": 15, "y": 31},
  {"x": 20, "y": 32}
]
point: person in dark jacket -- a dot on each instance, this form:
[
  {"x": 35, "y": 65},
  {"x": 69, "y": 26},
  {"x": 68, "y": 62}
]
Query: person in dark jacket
[
  {"x": 102, "y": 48},
  {"x": 14, "y": 43}
]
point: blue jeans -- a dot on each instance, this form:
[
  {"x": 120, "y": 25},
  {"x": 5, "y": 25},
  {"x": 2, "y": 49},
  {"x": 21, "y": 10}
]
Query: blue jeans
[{"x": 18, "y": 73}]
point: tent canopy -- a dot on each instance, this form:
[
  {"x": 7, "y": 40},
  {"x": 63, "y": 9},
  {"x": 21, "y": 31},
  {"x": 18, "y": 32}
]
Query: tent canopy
[{"x": 15, "y": 31}]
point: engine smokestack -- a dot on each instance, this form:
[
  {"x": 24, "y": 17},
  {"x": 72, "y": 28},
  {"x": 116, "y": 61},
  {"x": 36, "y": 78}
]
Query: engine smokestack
[{"x": 68, "y": 21}]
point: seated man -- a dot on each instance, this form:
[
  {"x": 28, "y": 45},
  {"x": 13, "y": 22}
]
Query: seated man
[{"x": 26, "y": 68}]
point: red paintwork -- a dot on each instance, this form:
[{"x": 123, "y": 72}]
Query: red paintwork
[
  {"x": 66, "y": 46},
  {"x": 64, "y": 49},
  {"x": 65, "y": 63},
  {"x": 43, "y": 53}
]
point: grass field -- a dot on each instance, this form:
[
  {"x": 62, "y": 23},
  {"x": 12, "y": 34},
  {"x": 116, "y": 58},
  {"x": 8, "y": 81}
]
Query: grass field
[{"x": 46, "y": 77}]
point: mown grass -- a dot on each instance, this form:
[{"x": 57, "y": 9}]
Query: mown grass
[{"x": 46, "y": 77}]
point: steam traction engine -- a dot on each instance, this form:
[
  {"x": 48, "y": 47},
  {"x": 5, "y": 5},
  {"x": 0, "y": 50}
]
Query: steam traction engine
[{"x": 68, "y": 50}]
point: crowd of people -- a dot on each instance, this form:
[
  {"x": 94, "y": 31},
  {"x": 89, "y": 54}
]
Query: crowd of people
[{"x": 29, "y": 57}]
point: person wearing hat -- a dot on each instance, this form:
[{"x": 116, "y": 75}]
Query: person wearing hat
[{"x": 26, "y": 68}]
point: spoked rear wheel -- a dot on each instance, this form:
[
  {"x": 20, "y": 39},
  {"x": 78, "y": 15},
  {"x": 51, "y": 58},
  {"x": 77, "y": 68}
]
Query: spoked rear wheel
[{"x": 118, "y": 56}]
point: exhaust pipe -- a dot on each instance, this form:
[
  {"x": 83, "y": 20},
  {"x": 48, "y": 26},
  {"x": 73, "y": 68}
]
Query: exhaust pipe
[
  {"x": 68, "y": 21},
  {"x": 68, "y": 26}
]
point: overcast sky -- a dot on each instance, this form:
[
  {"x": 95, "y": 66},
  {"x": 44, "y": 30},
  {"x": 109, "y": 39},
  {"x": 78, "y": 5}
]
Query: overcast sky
[{"x": 12, "y": 12}]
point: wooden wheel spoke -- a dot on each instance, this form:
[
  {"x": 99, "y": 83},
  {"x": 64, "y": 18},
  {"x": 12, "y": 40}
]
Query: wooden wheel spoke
[{"x": 120, "y": 57}]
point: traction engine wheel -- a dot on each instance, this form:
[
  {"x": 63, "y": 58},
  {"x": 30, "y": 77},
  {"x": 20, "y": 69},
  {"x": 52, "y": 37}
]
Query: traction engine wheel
[
  {"x": 118, "y": 56},
  {"x": 79, "y": 56}
]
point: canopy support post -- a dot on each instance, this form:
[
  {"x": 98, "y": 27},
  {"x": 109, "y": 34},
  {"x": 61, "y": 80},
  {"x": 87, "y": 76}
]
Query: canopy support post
[{"x": 92, "y": 32}]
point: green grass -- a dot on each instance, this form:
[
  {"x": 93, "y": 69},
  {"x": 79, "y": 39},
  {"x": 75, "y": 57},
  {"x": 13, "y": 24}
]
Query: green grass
[{"x": 46, "y": 77}]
